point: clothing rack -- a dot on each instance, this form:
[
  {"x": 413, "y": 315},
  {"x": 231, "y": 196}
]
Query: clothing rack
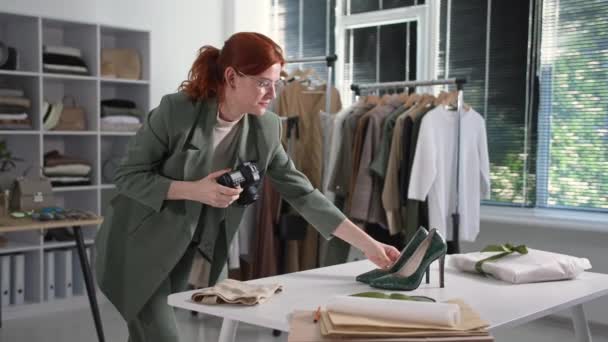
[
  {"x": 330, "y": 60},
  {"x": 459, "y": 82}
]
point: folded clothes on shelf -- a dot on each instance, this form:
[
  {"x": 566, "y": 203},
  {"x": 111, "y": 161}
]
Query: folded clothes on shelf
[
  {"x": 120, "y": 115},
  {"x": 64, "y": 60},
  {"x": 12, "y": 92},
  {"x": 11, "y": 124},
  {"x": 14, "y": 109},
  {"x": 66, "y": 171},
  {"x": 20, "y": 101}
]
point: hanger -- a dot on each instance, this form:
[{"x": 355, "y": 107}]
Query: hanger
[
  {"x": 404, "y": 96},
  {"x": 312, "y": 81},
  {"x": 412, "y": 99},
  {"x": 451, "y": 101},
  {"x": 439, "y": 100},
  {"x": 372, "y": 99}
]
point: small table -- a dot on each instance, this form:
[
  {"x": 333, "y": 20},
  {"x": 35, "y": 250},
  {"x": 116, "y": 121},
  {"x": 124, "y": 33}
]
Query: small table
[
  {"x": 8, "y": 224},
  {"x": 499, "y": 303}
]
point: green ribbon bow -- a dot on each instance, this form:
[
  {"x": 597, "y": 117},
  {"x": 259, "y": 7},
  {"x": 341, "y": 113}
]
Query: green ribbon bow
[{"x": 506, "y": 249}]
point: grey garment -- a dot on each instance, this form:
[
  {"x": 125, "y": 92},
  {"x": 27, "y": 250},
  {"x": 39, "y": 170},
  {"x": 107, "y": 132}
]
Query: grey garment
[
  {"x": 327, "y": 125},
  {"x": 366, "y": 202},
  {"x": 156, "y": 321},
  {"x": 340, "y": 179},
  {"x": 380, "y": 162}
]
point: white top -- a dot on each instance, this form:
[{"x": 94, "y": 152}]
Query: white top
[
  {"x": 434, "y": 170},
  {"x": 224, "y": 133},
  {"x": 221, "y": 130},
  {"x": 501, "y": 304}
]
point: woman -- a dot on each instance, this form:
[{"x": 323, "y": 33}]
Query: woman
[{"x": 169, "y": 204}]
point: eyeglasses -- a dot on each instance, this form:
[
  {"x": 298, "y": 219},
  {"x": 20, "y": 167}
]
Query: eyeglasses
[{"x": 263, "y": 82}]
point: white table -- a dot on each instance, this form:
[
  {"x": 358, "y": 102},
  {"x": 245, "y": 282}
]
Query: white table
[{"x": 499, "y": 303}]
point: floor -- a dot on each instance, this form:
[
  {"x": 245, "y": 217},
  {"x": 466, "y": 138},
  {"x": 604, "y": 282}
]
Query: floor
[{"x": 77, "y": 326}]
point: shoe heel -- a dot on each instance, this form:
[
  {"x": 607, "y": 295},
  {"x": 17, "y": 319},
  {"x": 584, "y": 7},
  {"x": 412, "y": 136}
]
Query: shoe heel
[
  {"x": 442, "y": 271},
  {"x": 428, "y": 275}
]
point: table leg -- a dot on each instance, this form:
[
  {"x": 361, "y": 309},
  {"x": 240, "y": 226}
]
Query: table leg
[
  {"x": 228, "y": 331},
  {"x": 581, "y": 326},
  {"x": 88, "y": 279}
]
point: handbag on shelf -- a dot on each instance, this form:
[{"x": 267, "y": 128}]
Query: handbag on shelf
[
  {"x": 73, "y": 117},
  {"x": 120, "y": 63},
  {"x": 31, "y": 193}
]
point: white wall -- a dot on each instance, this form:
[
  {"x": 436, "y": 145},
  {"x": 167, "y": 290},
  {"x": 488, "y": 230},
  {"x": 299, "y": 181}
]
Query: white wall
[
  {"x": 246, "y": 15},
  {"x": 591, "y": 245},
  {"x": 178, "y": 28}
]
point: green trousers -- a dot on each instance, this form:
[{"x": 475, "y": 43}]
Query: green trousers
[{"x": 156, "y": 321}]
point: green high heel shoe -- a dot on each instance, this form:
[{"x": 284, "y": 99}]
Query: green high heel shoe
[
  {"x": 420, "y": 235},
  {"x": 409, "y": 276}
]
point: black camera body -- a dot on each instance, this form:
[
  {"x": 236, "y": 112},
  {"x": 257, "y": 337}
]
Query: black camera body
[{"x": 248, "y": 177}]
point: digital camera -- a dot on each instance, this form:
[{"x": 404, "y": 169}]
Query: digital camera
[{"x": 248, "y": 177}]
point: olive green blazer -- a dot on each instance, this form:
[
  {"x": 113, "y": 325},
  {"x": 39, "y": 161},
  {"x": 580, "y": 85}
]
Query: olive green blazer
[{"x": 144, "y": 235}]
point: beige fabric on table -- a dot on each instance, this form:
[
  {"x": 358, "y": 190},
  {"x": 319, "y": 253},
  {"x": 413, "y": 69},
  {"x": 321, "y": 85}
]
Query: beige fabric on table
[
  {"x": 296, "y": 100},
  {"x": 469, "y": 320},
  {"x": 230, "y": 291},
  {"x": 471, "y": 326},
  {"x": 302, "y": 328}
]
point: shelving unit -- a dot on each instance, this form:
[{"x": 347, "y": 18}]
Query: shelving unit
[{"x": 28, "y": 34}]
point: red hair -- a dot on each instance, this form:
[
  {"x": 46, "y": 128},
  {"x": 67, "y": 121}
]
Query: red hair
[{"x": 248, "y": 52}]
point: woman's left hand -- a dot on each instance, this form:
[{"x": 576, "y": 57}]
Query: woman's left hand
[{"x": 381, "y": 254}]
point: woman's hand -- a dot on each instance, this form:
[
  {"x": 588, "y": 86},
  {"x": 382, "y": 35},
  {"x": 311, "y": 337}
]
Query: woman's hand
[
  {"x": 382, "y": 255},
  {"x": 208, "y": 191}
]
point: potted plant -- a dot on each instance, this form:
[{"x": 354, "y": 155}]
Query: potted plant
[{"x": 7, "y": 163}]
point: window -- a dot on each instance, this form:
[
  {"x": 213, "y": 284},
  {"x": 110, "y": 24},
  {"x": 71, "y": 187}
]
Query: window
[
  {"x": 545, "y": 103},
  {"x": 480, "y": 41},
  {"x": 304, "y": 28},
  {"x": 573, "y": 112},
  {"x": 381, "y": 41}
]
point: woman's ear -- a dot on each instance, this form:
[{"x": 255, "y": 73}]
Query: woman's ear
[{"x": 230, "y": 77}]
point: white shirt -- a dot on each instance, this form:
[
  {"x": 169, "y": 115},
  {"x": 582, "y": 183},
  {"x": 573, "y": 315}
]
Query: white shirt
[
  {"x": 223, "y": 134},
  {"x": 434, "y": 170}
]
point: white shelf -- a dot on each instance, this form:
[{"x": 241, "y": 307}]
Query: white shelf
[
  {"x": 17, "y": 247},
  {"x": 19, "y": 73},
  {"x": 118, "y": 134},
  {"x": 28, "y": 34},
  {"x": 74, "y": 188},
  {"x": 49, "y": 75},
  {"x": 122, "y": 80},
  {"x": 18, "y": 132},
  {"x": 70, "y": 133}
]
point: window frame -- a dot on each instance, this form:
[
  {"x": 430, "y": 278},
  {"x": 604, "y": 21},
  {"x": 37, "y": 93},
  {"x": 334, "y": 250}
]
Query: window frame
[{"x": 427, "y": 17}]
